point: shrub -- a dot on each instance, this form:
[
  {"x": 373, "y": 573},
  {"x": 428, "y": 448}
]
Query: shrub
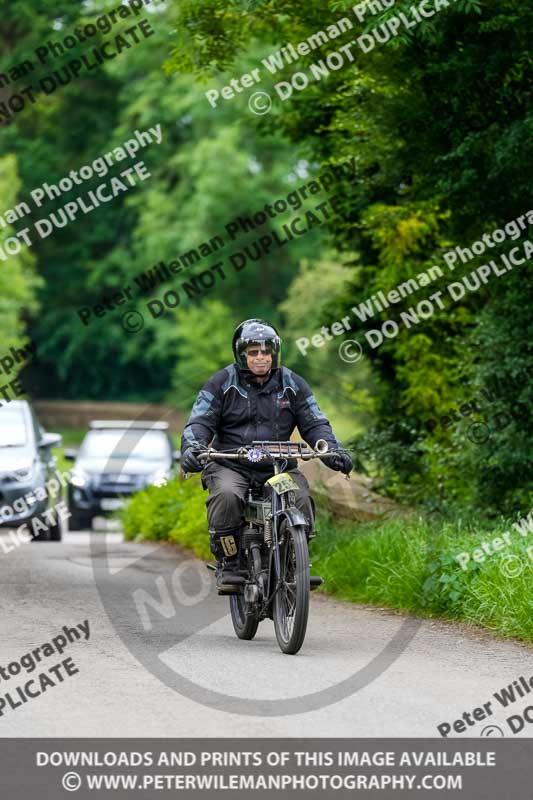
[{"x": 175, "y": 512}]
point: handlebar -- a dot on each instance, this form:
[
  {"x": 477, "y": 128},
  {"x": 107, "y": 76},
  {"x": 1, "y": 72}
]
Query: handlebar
[{"x": 259, "y": 451}]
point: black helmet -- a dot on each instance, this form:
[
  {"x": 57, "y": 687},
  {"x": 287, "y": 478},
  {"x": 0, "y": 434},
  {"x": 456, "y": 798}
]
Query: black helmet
[{"x": 255, "y": 331}]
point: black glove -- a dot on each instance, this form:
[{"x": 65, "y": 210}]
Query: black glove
[
  {"x": 341, "y": 462},
  {"x": 190, "y": 462}
]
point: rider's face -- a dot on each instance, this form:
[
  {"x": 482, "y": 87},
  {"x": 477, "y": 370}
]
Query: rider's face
[{"x": 259, "y": 359}]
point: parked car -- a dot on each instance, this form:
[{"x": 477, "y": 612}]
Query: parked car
[
  {"x": 116, "y": 459},
  {"x": 26, "y": 465}
]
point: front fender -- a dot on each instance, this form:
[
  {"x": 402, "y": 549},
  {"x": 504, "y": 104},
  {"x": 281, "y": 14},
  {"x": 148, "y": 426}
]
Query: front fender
[{"x": 293, "y": 517}]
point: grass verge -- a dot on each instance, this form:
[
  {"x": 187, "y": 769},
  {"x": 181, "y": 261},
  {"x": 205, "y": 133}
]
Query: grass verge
[{"x": 408, "y": 563}]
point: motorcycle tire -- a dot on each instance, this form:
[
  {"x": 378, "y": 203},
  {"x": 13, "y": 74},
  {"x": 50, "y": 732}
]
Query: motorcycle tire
[
  {"x": 245, "y": 626},
  {"x": 291, "y": 601}
]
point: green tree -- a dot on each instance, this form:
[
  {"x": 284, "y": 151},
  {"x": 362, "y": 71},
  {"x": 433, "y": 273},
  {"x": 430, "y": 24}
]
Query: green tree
[
  {"x": 203, "y": 335},
  {"x": 209, "y": 169},
  {"x": 439, "y": 121},
  {"x": 18, "y": 281}
]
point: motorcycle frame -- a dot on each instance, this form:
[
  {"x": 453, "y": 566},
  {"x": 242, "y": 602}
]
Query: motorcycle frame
[{"x": 278, "y": 508}]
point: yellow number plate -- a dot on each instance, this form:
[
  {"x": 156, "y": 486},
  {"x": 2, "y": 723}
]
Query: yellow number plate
[{"x": 283, "y": 483}]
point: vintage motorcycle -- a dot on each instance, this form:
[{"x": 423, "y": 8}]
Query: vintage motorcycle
[{"x": 272, "y": 577}]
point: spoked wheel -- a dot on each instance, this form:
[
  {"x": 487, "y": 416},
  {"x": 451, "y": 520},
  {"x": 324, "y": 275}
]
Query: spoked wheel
[
  {"x": 245, "y": 626},
  {"x": 291, "y": 601}
]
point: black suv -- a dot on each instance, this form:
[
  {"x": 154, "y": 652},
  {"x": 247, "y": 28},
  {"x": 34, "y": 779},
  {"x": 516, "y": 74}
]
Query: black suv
[
  {"x": 26, "y": 466},
  {"x": 116, "y": 459}
]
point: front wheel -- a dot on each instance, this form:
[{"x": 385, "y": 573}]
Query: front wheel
[
  {"x": 291, "y": 601},
  {"x": 245, "y": 625}
]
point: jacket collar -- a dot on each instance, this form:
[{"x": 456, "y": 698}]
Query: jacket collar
[{"x": 248, "y": 381}]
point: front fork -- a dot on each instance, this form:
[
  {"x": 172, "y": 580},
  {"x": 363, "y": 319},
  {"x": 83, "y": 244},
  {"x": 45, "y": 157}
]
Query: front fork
[{"x": 279, "y": 503}]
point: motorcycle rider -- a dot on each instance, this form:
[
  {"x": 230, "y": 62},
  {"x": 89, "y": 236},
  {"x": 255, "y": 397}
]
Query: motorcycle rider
[{"x": 253, "y": 399}]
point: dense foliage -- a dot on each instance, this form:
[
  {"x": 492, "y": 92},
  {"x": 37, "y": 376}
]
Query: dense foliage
[
  {"x": 439, "y": 123},
  {"x": 203, "y": 176}
]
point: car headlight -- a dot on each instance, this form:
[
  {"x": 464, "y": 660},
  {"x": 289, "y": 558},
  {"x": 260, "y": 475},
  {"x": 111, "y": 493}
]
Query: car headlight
[
  {"x": 78, "y": 477},
  {"x": 159, "y": 478},
  {"x": 26, "y": 474}
]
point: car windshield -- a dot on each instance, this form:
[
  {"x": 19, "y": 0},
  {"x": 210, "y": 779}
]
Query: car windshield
[
  {"x": 13, "y": 431},
  {"x": 144, "y": 445}
]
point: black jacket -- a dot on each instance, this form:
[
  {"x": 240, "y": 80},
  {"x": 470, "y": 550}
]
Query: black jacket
[{"x": 231, "y": 411}]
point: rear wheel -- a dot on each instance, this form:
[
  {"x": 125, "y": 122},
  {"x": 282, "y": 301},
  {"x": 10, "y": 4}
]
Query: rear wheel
[
  {"x": 291, "y": 601},
  {"x": 245, "y": 625}
]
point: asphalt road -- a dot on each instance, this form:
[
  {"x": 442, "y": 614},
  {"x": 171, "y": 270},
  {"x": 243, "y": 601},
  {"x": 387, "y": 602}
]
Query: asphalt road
[{"x": 443, "y": 671}]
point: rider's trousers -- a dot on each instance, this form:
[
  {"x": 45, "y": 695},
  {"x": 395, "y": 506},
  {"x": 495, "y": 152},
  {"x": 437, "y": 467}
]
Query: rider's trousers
[{"x": 228, "y": 490}]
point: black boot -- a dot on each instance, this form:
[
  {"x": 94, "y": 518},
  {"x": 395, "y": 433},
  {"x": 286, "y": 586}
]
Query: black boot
[{"x": 225, "y": 547}]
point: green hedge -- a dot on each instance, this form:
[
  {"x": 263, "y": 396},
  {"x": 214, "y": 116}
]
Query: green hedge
[
  {"x": 407, "y": 563},
  {"x": 175, "y": 513}
]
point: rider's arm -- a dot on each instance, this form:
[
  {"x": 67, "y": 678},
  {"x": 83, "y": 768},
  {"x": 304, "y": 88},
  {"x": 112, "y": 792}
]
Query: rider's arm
[
  {"x": 311, "y": 421},
  {"x": 205, "y": 416}
]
